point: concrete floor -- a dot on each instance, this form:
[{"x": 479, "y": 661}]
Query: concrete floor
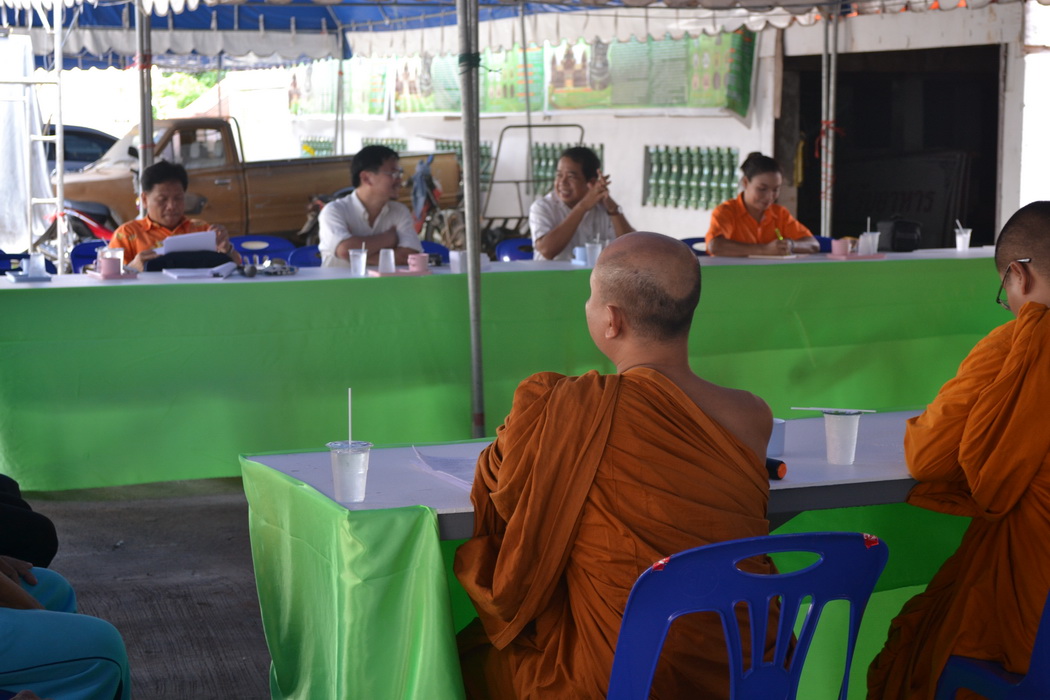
[{"x": 169, "y": 564}]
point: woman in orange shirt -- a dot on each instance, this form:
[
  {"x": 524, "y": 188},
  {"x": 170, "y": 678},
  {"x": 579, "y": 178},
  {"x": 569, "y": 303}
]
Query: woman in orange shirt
[{"x": 753, "y": 223}]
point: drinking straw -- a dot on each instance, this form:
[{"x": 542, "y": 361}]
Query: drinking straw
[
  {"x": 958, "y": 225},
  {"x": 349, "y": 416},
  {"x": 869, "y": 224},
  {"x": 832, "y": 410}
]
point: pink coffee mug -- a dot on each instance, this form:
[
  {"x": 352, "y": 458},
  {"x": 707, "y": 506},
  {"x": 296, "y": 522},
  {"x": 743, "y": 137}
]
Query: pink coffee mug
[
  {"x": 418, "y": 262},
  {"x": 109, "y": 267},
  {"x": 840, "y": 246}
]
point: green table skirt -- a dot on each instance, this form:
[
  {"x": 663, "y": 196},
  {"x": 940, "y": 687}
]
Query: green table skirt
[
  {"x": 363, "y": 604},
  {"x": 115, "y": 384}
]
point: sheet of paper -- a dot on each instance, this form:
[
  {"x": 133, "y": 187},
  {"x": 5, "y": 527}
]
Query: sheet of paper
[
  {"x": 186, "y": 273},
  {"x": 188, "y": 242},
  {"x": 457, "y": 469},
  {"x": 182, "y": 273}
]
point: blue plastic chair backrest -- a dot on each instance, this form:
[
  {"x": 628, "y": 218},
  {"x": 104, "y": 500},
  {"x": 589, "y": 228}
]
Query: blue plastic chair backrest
[
  {"x": 306, "y": 256},
  {"x": 84, "y": 254},
  {"x": 7, "y": 262},
  {"x": 707, "y": 579},
  {"x": 514, "y": 249},
  {"x": 431, "y": 247},
  {"x": 263, "y": 246},
  {"x": 694, "y": 242},
  {"x": 993, "y": 681}
]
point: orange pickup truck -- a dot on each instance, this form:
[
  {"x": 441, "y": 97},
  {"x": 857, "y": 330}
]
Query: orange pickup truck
[{"x": 265, "y": 197}]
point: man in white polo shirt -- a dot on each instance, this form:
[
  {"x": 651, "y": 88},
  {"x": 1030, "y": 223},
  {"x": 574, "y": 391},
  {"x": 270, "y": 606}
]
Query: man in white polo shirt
[
  {"x": 578, "y": 210},
  {"x": 369, "y": 217}
]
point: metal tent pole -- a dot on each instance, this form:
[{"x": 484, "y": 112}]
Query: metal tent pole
[
  {"x": 825, "y": 223},
  {"x": 829, "y": 139},
  {"x": 61, "y": 222},
  {"x": 469, "y": 61},
  {"x": 144, "y": 60},
  {"x": 338, "y": 144},
  {"x": 528, "y": 96}
]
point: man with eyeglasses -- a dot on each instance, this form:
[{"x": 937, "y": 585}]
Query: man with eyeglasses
[
  {"x": 982, "y": 450},
  {"x": 369, "y": 217}
]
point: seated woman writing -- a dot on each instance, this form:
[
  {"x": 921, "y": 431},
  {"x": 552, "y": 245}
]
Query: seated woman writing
[{"x": 753, "y": 223}]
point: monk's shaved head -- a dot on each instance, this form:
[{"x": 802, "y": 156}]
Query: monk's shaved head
[
  {"x": 1026, "y": 235},
  {"x": 654, "y": 279}
]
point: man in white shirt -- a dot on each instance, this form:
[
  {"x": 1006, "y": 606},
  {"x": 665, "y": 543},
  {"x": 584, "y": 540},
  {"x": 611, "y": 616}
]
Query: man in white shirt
[
  {"x": 578, "y": 210},
  {"x": 369, "y": 217}
]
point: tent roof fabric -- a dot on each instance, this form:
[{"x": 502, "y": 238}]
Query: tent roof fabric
[{"x": 297, "y": 30}]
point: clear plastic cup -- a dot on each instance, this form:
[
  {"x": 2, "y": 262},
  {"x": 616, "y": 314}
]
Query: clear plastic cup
[
  {"x": 869, "y": 243},
  {"x": 962, "y": 239},
  {"x": 840, "y": 432},
  {"x": 593, "y": 250},
  {"x": 358, "y": 262},
  {"x": 349, "y": 469}
]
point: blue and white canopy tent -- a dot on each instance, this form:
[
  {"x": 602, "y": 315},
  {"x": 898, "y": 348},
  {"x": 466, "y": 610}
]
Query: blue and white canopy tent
[{"x": 189, "y": 31}]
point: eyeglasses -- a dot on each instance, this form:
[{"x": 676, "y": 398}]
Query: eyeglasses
[
  {"x": 398, "y": 174},
  {"x": 1005, "y": 303}
]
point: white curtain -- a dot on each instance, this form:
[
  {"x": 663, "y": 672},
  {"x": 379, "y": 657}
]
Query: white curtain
[{"x": 19, "y": 120}]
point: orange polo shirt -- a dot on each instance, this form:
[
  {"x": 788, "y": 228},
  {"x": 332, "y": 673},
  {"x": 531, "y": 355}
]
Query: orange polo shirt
[
  {"x": 146, "y": 234},
  {"x": 730, "y": 219}
]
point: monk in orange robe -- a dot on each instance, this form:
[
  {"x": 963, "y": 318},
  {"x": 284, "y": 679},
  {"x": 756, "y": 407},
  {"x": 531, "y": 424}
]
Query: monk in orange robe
[
  {"x": 591, "y": 479},
  {"x": 982, "y": 450}
]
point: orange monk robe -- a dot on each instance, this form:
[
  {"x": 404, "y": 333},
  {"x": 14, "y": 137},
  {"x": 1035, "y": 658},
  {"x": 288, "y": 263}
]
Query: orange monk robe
[
  {"x": 981, "y": 450},
  {"x": 591, "y": 479},
  {"x": 146, "y": 234},
  {"x": 732, "y": 220}
]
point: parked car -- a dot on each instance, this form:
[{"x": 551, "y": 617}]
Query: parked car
[
  {"x": 83, "y": 146},
  {"x": 258, "y": 197}
]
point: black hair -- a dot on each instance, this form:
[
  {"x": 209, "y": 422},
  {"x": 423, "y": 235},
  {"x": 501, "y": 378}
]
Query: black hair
[
  {"x": 1025, "y": 235},
  {"x": 584, "y": 157},
  {"x": 162, "y": 172},
  {"x": 369, "y": 159},
  {"x": 756, "y": 164}
]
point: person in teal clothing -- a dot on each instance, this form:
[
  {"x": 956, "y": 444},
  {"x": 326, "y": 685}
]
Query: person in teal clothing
[{"x": 49, "y": 649}]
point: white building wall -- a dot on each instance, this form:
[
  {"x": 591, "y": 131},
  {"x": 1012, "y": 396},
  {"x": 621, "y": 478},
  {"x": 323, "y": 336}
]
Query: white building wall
[
  {"x": 624, "y": 138},
  {"x": 993, "y": 24},
  {"x": 1024, "y": 104},
  {"x": 1034, "y": 180}
]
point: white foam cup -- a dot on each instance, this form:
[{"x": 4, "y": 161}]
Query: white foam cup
[
  {"x": 776, "y": 439},
  {"x": 840, "y": 432},
  {"x": 386, "y": 261}
]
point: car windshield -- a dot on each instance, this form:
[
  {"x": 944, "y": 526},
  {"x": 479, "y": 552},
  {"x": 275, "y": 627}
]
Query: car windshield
[{"x": 119, "y": 152}]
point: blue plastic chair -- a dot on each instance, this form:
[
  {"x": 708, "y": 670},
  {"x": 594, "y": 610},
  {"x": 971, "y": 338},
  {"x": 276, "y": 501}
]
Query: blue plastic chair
[
  {"x": 263, "y": 247},
  {"x": 16, "y": 261},
  {"x": 514, "y": 249},
  {"x": 84, "y": 254},
  {"x": 694, "y": 243},
  {"x": 992, "y": 681},
  {"x": 430, "y": 248},
  {"x": 707, "y": 579},
  {"x": 306, "y": 256}
]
